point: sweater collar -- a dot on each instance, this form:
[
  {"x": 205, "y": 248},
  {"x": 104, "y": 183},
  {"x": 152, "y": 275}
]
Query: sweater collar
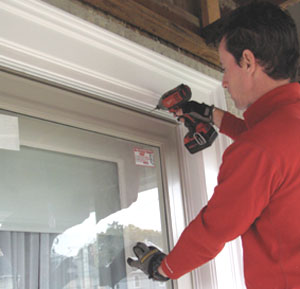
[{"x": 272, "y": 100}]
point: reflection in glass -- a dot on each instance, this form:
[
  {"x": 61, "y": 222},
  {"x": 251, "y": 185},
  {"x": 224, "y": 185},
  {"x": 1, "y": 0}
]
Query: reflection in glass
[
  {"x": 98, "y": 249},
  {"x": 65, "y": 223}
]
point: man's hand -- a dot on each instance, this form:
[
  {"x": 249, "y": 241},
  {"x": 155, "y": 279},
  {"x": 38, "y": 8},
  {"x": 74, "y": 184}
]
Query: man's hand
[
  {"x": 204, "y": 111},
  {"x": 148, "y": 260},
  {"x": 208, "y": 114}
]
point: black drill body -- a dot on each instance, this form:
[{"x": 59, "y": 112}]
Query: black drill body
[{"x": 200, "y": 134}]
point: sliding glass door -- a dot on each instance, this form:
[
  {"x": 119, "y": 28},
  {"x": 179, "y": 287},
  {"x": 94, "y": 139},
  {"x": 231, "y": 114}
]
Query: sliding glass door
[{"x": 72, "y": 204}]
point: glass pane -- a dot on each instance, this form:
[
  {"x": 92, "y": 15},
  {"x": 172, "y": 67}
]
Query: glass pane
[{"x": 69, "y": 220}]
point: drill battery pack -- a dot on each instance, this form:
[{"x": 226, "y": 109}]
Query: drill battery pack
[{"x": 201, "y": 137}]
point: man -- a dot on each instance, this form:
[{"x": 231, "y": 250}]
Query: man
[{"x": 258, "y": 191}]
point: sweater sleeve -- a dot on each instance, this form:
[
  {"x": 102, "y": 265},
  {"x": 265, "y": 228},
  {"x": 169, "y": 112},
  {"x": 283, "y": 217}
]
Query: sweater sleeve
[
  {"x": 243, "y": 191},
  {"x": 232, "y": 126}
]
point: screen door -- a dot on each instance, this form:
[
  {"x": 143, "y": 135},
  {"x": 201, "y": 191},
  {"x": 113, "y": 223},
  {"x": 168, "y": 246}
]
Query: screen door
[{"x": 72, "y": 205}]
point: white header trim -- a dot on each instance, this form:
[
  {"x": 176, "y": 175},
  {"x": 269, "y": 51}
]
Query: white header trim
[{"x": 50, "y": 44}]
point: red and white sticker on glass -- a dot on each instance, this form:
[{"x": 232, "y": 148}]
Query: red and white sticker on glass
[{"x": 144, "y": 157}]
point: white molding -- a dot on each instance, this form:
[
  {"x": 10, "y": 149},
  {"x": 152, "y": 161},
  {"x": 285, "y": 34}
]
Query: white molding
[{"x": 48, "y": 43}]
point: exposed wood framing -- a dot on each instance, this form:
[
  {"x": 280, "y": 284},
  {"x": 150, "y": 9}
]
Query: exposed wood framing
[
  {"x": 173, "y": 13},
  {"x": 210, "y": 10},
  {"x": 191, "y": 6},
  {"x": 134, "y": 13}
]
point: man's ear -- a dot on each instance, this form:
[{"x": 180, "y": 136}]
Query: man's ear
[{"x": 248, "y": 60}]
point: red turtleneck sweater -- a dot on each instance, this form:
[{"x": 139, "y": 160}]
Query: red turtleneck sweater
[{"x": 257, "y": 197}]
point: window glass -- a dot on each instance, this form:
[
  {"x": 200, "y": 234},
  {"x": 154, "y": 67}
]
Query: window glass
[{"x": 72, "y": 205}]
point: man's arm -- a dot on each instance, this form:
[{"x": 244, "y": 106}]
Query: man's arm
[
  {"x": 236, "y": 203},
  {"x": 228, "y": 124}
]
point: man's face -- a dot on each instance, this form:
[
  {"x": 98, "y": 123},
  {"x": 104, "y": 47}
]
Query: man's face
[{"x": 235, "y": 78}]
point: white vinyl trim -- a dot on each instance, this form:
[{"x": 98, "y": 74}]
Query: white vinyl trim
[{"x": 51, "y": 44}]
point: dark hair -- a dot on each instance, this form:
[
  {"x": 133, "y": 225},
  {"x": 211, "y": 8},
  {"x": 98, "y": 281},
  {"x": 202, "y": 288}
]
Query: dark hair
[{"x": 269, "y": 33}]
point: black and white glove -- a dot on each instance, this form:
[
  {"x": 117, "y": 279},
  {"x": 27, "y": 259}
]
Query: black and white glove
[
  {"x": 203, "y": 112},
  {"x": 148, "y": 260}
]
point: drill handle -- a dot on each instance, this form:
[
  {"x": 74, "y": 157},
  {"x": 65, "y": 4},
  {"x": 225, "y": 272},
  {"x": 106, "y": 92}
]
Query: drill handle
[
  {"x": 200, "y": 135},
  {"x": 191, "y": 120}
]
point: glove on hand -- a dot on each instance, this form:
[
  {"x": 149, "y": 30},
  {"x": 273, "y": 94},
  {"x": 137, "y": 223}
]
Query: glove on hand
[
  {"x": 204, "y": 111},
  {"x": 149, "y": 259}
]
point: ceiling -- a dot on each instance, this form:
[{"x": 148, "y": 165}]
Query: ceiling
[{"x": 184, "y": 24}]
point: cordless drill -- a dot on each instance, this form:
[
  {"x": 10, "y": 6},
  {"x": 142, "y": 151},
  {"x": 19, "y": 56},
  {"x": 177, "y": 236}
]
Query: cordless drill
[{"x": 200, "y": 134}]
